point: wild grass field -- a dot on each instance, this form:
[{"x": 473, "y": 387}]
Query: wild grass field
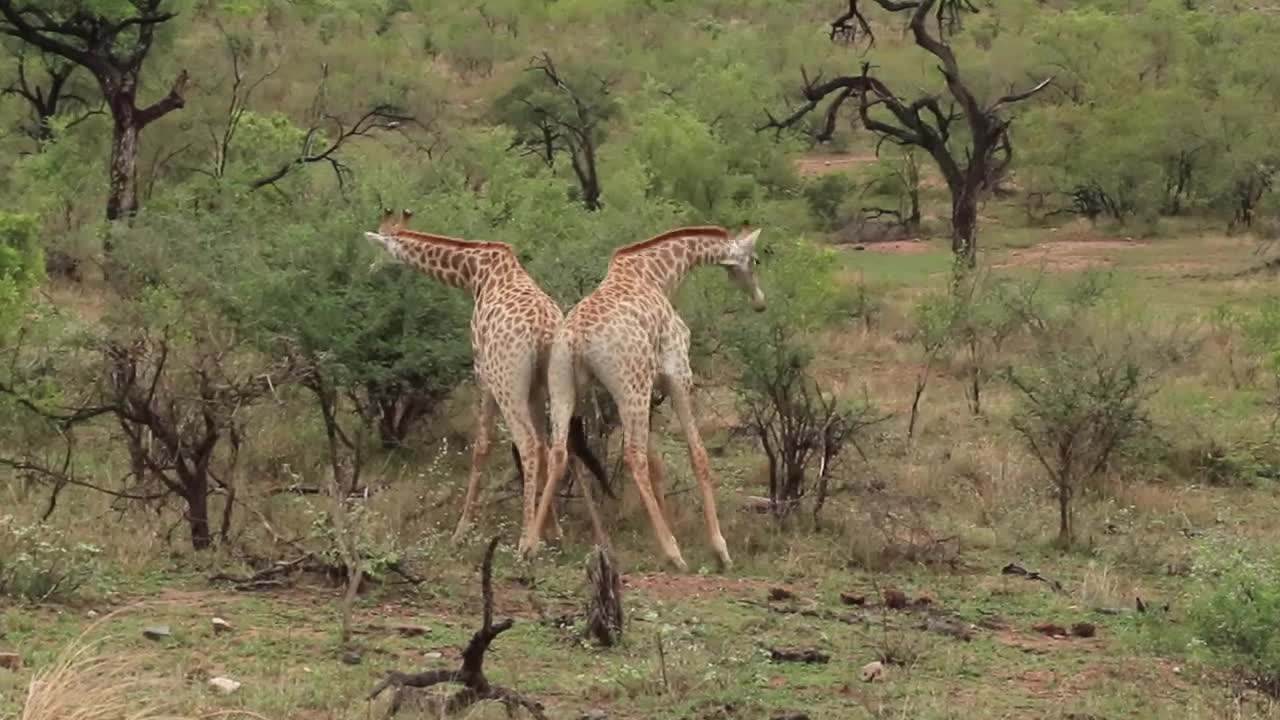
[
  {"x": 937, "y": 521},
  {"x": 1018, "y": 374}
]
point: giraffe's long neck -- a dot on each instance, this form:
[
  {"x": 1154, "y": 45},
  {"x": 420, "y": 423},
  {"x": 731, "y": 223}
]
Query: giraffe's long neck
[
  {"x": 665, "y": 261},
  {"x": 457, "y": 263}
]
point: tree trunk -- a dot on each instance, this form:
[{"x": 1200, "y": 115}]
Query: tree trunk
[
  {"x": 198, "y": 514},
  {"x": 964, "y": 224},
  {"x": 1065, "y": 531},
  {"x": 604, "y": 598},
  {"x": 122, "y": 198}
]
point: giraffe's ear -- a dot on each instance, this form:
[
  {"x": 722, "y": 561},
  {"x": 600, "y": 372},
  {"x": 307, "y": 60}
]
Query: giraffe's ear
[
  {"x": 388, "y": 222},
  {"x": 405, "y": 216}
]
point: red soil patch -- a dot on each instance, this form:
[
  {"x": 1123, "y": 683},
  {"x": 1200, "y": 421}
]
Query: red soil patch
[
  {"x": 697, "y": 587},
  {"x": 1034, "y": 642},
  {"x": 895, "y": 247},
  {"x": 1066, "y": 255},
  {"x": 811, "y": 165}
]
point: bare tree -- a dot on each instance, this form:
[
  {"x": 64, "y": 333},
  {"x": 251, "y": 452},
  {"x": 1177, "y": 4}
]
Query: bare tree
[
  {"x": 970, "y": 162},
  {"x": 556, "y": 118},
  {"x": 243, "y": 85},
  {"x": 318, "y": 147},
  {"x": 174, "y": 412},
  {"x": 49, "y": 93},
  {"x": 797, "y": 423},
  {"x": 175, "y": 408},
  {"x": 113, "y": 49},
  {"x": 345, "y": 460}
]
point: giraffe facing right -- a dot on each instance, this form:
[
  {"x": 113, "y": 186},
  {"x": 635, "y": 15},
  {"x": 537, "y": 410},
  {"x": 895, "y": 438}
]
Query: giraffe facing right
[{"x": 627, "y": 335}]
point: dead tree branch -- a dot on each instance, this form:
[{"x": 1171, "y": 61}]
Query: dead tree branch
[
  {"x": 327, "y": 134},
  {"x": 971, "y": 163},
  {"x": 475, "y": 686}
]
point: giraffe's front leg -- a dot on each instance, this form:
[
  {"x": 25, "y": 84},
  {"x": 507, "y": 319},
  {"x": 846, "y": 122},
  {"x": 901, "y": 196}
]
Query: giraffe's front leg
[{"x": 680, "y": 385}]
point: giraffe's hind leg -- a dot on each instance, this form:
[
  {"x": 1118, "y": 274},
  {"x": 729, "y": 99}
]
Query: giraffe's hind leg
[
  {"x": 486, "y": 420},
  {"x": 538, "y": 416}
]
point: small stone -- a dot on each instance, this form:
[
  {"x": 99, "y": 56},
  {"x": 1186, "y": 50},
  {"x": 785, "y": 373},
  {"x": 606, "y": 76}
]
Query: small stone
[
  {"x": 156, "y": 632},
  {"x": 873, "y": 671},
  {"x": 1050, "y": 629},
  {"x": 778, "y": 594},
  {"x": 433, "y": 656},
  {"x": 411, "y": 630},
  {"x": 224, "y": 685},
  {"x": 91, "y": 614},
  {"x": 1084, "y": 630},
  {"x": 350, "y": 657},
  {"x": 594, "y": 714},
  {"x": 221, "y": 626},
  {"x": 853, "y": 599},
  {"x": 895, "y": 599},
  {"x": 11, "y": 661},
  {"x": 1177, "y": 670}
]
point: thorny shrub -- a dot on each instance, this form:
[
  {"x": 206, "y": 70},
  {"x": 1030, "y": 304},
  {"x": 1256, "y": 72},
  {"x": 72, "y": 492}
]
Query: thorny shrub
[
  {"x": 1235, "y": 614},
  {"x": 38, "y": 563}
]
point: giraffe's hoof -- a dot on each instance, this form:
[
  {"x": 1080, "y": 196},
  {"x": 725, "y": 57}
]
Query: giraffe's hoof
[
  {"x": 528, "y": 549},
  {"x": 678, "y": 563},
  {"x": 460, "y": 533},
  {"x": 722, "y": 555}
]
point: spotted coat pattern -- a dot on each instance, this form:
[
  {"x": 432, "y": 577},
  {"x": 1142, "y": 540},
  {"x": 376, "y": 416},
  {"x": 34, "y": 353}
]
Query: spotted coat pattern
[{"x": 628, "y": 336}]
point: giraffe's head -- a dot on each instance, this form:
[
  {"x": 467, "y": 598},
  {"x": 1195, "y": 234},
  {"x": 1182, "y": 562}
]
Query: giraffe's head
[
  {"x": 385, "y": 237},
  {"x": 740, "y": 260}
]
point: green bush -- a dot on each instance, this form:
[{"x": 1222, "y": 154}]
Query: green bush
[
  {"x": 1235, "y": 618},
  {"x": 21, "y": 264},
  {"x": 37, "y": 563},
  {"x": 826, "y": 196},
  {"x": 1078, "y": 406}
]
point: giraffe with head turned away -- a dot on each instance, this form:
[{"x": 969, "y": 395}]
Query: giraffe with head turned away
[
  {"x": 627, "y": 335},
  {"x": 511, "y": 329}
]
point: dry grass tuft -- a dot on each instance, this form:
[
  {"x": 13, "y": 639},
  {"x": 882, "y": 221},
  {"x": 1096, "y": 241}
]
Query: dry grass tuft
[{"x": 84, "y": 683}]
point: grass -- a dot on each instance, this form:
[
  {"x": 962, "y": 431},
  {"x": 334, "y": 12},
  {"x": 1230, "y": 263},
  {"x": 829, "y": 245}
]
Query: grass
[{"x": 940, "y": 518}]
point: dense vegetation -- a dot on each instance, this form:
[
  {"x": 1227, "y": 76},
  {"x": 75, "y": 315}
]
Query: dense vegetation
[{"x": 194, "y": 333}]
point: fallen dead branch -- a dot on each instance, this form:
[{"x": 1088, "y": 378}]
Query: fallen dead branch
[
  {"x": 801, "y": 655},
  {"x": 475, "y": 686},
  {"x": 1016, "y": 569}
]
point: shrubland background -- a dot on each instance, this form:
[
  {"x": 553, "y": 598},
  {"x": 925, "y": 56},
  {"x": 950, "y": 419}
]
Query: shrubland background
[{"x": 223, "y": 381}]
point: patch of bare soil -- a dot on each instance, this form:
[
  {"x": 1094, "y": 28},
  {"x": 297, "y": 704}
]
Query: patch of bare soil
[
  {"x": 895, "y": 247},
  {"x": 825, "y": 164},
  {"x": 1040, "y": 644},
  {"x": 1078, "y": 251},
  {"x": 696, "y": 587},
  {"x": 1079, "y": 681}
]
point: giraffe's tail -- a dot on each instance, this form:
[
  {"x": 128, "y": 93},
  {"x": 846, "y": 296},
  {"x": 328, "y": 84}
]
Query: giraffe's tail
[{"x": 579, "y": 446}]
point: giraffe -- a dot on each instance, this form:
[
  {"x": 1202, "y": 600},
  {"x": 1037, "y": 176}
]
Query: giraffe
[
  {"x": 627, "y": 335},
  {"x": 511, "y": 330}
]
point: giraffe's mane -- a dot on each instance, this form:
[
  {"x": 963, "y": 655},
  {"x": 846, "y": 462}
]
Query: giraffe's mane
[
  {"x": 691, "y": 231},
  {"x": 451, "y": 241}
]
